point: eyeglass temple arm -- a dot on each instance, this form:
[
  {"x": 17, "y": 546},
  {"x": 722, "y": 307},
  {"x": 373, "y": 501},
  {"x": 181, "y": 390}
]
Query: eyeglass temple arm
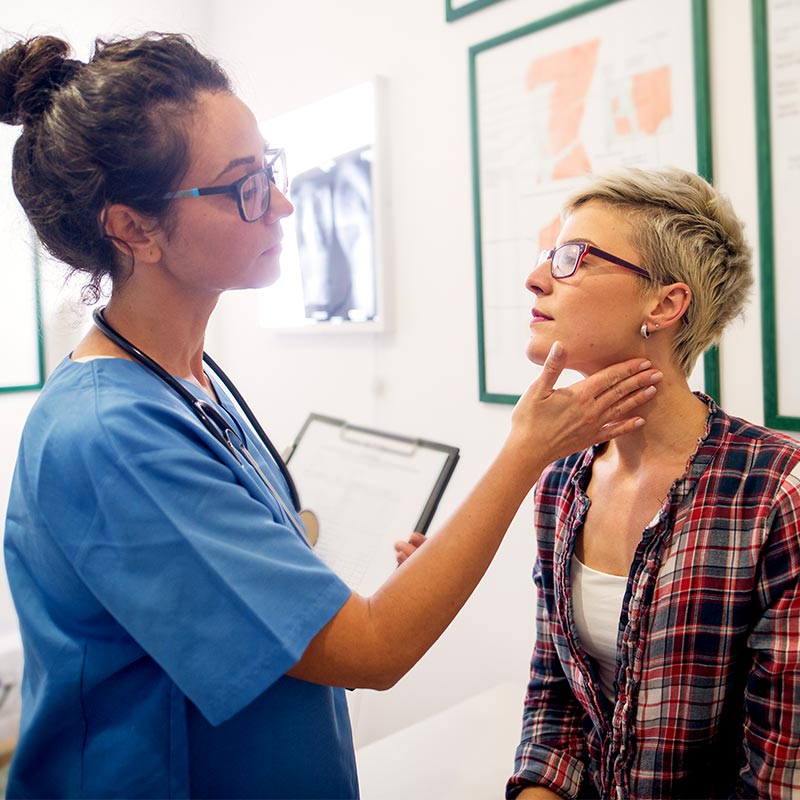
[
  {"x": 620, "y": 262},
  {"x": 198, "y": 192}
]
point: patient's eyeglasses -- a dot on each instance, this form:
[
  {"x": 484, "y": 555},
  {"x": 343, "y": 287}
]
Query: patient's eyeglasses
[
  {"x": 566, "y": 258},
  {"x": 252, "y": 192}
]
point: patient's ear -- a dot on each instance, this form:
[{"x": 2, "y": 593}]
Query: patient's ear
[
  {"x": 132, "y": 233},
  {"x": 671, "y": 306}
]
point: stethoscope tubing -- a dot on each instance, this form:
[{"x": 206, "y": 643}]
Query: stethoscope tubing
[
  {"x": 230, "y": 386},
  {"x": 207, "y": 414}
]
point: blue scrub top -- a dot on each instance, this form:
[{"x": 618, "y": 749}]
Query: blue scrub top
[{"x": 162, "y": 596}]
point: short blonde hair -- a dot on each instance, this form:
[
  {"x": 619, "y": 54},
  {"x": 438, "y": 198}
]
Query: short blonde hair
[{"x": 685, "y": 231}]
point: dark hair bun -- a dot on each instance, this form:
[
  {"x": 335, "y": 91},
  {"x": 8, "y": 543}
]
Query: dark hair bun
[{"x": 30, "y": 72}]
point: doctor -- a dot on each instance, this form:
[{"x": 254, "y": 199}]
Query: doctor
[{"x": 181, "y": 637}]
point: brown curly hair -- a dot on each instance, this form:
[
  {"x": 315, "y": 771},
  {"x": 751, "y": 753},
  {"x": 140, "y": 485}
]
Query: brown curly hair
[{"x": 112, "y": 130}]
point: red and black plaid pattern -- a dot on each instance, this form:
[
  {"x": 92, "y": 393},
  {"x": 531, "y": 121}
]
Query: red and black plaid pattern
[{"x": 708, "y": 673}]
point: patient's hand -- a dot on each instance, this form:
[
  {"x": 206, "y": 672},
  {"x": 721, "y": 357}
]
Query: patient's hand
[
  {"x": 405, "y": 549},
  {"x": 538, "y": 793}
]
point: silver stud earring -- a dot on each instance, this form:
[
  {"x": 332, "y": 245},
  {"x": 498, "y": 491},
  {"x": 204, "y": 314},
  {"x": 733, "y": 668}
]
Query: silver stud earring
[{"x": 644, "y": 332}]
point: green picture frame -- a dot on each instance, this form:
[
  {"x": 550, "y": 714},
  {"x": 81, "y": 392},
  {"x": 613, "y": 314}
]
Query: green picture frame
[
  {"x": 453, "y": 13},
  {"x": 22, "y": 358},
  {"x": 775, "y": 416},
  {"x": 549, "y": 34},
  {"x": 28, "y": 332}
]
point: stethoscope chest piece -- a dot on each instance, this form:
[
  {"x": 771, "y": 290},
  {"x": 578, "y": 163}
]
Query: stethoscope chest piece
[{"x": 311, "y": 524}]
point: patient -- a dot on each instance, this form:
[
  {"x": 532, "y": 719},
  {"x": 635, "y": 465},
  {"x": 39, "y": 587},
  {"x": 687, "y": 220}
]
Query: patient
[{"x": 667, "y": 660}]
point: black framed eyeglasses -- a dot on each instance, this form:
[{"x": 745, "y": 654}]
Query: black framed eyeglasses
[
  {"x": 566, "y": 258},
  {"x": 252, "y": 192}
]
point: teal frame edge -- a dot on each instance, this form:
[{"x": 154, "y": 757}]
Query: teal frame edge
[
  {"x": 712, "y": 384},
  {"x": 711, "y": 368},
  {"x": 769, "y": 331},
  {"x": 452, "y": 14},
  {"x": 39, "y": 329}
]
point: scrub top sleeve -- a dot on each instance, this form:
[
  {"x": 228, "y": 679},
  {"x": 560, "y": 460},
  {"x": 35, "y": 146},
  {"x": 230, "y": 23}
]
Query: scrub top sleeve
[{"x": 196, "y": 569}]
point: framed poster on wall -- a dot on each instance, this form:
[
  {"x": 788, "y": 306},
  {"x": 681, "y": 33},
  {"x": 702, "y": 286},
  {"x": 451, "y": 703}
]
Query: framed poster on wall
[
  {"x": 776, "y": 32},
  {"x": 603, "y": 84},
  {"x": 21, "y": 349}
]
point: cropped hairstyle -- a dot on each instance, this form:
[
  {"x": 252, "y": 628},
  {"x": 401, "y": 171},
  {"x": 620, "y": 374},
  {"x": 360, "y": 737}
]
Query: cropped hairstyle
[
  {"x": 685, "y": 231},
  {"x": 112, "y": 130}
]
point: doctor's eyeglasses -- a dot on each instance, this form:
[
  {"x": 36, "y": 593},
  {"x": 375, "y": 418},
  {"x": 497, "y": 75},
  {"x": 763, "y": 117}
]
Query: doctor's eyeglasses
[
  {"x": 252, "y": 192},
  {"x": 565, "y": 259}
]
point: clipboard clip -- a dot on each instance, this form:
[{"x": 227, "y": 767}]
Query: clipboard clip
[{"x": 398, "y": 445}]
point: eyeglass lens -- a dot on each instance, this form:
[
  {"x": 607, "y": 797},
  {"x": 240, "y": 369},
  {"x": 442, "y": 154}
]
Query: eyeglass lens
[
  {"x": 254, "y": 195},
  {"x": 563, "y": 260},
  {"x": 277, "y": 169}
]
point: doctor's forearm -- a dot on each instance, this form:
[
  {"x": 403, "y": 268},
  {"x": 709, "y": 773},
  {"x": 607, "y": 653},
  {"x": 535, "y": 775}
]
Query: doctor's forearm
[
  {"x": 423, "y": 596},
  {"x": 372, "y": 642}
]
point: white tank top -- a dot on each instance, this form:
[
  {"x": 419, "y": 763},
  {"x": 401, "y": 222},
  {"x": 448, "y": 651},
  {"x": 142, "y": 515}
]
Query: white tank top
[{"x": 597, "y": 605}]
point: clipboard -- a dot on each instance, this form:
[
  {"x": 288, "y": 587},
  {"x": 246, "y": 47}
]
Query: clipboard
[{"x": 368, "y": 488}]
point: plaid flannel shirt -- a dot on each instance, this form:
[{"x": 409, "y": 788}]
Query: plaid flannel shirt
[{"x": 708, "y": 668}]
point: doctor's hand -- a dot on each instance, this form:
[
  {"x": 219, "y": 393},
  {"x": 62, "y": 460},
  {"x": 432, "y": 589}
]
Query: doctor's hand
[
  {"x": 371, "y": 642},
  {"x": 405, "y": 549},
  {"x": 550, "y": 423}
]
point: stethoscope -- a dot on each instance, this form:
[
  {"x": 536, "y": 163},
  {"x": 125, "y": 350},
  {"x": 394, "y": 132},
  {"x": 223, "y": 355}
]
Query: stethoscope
[{"x": 218, "y": 426}]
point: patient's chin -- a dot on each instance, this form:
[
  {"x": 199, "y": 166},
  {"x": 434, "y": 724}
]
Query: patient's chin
[{"x": 535, "y": 354}]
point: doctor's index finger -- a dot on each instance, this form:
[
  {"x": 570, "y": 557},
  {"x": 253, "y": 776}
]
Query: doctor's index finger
[
  {"x": 628, "y": 381},
  {"x": 551, "y": 370}
]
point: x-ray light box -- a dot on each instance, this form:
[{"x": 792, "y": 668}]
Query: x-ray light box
[{"x": 331, "y": 276}]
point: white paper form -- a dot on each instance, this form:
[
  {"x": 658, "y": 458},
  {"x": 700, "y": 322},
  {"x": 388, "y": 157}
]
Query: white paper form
[{"x": 368, "y": 489}]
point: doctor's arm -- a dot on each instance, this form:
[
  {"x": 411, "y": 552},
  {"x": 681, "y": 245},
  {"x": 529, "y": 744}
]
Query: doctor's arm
[{"x": 373, "y": 641}]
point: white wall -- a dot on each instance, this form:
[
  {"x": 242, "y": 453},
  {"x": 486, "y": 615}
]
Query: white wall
[{"x": 419, "y": 378}]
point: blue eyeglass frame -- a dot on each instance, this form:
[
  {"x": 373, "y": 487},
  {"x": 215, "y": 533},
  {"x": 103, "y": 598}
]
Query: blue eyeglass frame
[
  {"x": 235, "y": 188},
  {"x": 584, "y": 249}
]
